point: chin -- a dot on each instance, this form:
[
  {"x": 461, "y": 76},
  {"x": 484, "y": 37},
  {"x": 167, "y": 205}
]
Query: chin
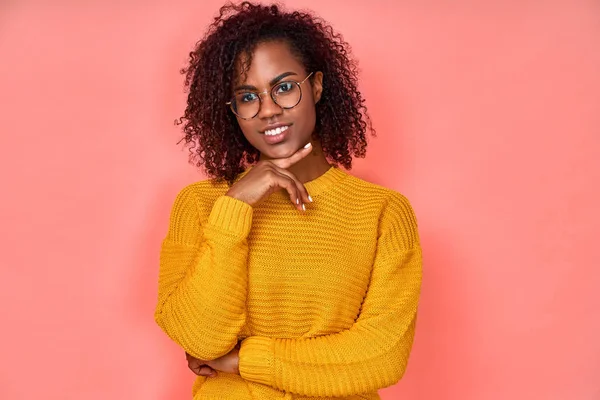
[
  {"x": 273, "y": 154},
  {"x": 282, "y": 150}
]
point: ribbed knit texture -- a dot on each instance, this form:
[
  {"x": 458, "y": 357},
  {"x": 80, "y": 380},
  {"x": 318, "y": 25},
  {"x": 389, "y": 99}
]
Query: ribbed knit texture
[{"x": 325, "y": 301}]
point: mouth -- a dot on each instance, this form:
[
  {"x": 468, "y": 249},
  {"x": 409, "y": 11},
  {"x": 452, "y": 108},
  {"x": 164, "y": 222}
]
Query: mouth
[
  {"x": 277, "y": 134},
  {"x": 276, "y": 131}
]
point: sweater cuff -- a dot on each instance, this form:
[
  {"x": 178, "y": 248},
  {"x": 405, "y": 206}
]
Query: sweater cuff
[
  {"x": 231, "y": 215},
  {"x": 256, "y": 360}
]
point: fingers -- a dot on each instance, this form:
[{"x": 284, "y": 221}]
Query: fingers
[
  {"x": 205, "y": 370},
  {"x": 294, "y": 158},
  {"x": 301, "y": 194},
  {"x": 283, "y": 179},
  {"x": 269, "y": 176},
  {"x": 199, "y": 367},
  {"x": 285, "y": 182}
]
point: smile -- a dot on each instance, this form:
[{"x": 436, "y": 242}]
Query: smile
[{"x": 276, "y": 131}]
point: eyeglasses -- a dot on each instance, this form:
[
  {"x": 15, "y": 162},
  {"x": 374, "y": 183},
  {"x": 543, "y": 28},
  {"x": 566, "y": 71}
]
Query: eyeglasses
[{"x": 286, "y": 94}]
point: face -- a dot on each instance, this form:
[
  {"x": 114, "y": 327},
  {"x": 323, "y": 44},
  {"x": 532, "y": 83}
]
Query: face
[{"x": 277, "y": 132}]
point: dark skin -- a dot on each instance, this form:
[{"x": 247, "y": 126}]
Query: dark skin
[{"x": 286, "y": 165}]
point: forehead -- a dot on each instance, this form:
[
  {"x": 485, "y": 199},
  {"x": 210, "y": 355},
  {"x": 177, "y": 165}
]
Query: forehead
[{"x": 269, "y": 60}]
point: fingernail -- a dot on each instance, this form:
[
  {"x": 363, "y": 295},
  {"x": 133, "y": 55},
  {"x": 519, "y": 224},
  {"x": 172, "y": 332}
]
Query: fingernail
[
  {"x": 310, "y": 198},
  {"x": 307, "y": 145},
  {"x": 303, "y": 207},
  {"x": 297, "y": 201}
]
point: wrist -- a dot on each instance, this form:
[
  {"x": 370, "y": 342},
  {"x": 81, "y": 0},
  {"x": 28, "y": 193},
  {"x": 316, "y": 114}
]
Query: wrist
[{"x": 237, "y": 196}]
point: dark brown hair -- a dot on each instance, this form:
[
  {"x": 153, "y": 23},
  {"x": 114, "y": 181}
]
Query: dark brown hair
[{"x": 210, "y": 129}]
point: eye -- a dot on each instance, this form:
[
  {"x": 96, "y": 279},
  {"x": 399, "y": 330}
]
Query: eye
[
  {"x": 284, "y": 87},
  {"x": 247, "y": 97}
]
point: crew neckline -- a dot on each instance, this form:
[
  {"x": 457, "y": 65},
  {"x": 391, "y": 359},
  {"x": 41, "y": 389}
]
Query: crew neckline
[{"x": 321, "y": 183}]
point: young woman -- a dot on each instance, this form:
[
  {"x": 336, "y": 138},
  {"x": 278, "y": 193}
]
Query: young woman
[{"x": 285, "y": 277}]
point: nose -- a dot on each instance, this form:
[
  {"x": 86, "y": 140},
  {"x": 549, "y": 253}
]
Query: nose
[{"x": 268, "y": 108}]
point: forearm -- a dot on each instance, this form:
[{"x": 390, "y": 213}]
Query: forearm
[
  {"x": 370, "y": 355},
  {"x": 206, "y": 310},
  {"x": 202, "y": 289},
  {"x": 342, "y": 364}
]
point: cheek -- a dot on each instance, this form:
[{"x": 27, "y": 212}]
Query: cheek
[
  {"x": 306, "y": 116},
  {"x": 247, "y": 128}
]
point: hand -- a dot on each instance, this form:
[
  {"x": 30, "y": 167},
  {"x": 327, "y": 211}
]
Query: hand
[
  {"x": 269, "y": 176},
  {"x": 229, "y": 363},
  {"x": 199, "y": 367}
]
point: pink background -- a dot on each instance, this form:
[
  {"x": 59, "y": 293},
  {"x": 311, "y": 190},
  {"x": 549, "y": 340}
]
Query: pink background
[{"x": 488, "y": 115}]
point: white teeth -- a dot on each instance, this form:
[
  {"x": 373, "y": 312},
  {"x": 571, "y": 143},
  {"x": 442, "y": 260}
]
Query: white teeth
[{"x": 276, "y": 131}]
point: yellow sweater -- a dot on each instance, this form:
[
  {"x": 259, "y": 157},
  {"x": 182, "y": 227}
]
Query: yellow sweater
[{"x": 325, "y": 301}]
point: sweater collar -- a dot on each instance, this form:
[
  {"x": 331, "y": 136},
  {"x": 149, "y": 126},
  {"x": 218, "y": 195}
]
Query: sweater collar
[{"x": 322, "y": 183}]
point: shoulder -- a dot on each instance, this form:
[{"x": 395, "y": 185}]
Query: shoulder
[
  {"x": 199, "y": 196},
  {"x": 386, "y": 196},
  {"x": 396, "y": 213}
]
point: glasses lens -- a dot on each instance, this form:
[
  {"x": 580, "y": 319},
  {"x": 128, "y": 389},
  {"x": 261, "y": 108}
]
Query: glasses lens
[
  {"x": 246, "y": 105},
  {"x": 286, "y": 94}
]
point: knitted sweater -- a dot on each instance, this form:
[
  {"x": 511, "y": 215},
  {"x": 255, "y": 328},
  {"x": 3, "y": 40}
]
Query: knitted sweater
[{"x": 324, "y": 302}]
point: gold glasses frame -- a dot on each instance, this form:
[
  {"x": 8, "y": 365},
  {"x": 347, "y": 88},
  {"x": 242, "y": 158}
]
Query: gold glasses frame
[{"x": 270, "y": 91}]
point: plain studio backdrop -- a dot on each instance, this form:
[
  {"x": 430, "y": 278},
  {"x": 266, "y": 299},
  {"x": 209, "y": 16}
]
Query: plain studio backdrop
[{"x": 488, "y": 120}]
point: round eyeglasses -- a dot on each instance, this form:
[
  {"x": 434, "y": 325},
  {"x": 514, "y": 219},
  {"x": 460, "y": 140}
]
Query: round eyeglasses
[{"x": 286, "y": 94}]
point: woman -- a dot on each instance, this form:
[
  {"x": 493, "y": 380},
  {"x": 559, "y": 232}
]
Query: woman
[{"x": 285, "y": 276}]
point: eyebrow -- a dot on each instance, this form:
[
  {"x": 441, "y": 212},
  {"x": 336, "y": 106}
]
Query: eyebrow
[{"x": 271, "y": 83}]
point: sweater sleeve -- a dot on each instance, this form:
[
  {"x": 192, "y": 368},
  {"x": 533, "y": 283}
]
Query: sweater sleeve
[
  {"x": 202, "y": 281},
  {"x": 373, "y": 352}
]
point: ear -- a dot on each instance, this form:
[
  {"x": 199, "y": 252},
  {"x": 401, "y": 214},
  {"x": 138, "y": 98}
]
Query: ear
[{"x": 317, "y": 86}]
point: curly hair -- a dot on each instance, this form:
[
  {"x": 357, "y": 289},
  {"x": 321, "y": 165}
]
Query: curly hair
[{"x": 211, "y": 131}]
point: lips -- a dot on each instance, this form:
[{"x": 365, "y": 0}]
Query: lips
[
  {"x": 269, "y": 129},
  {"x": 276, "y": 131},
  {"x": 277, "y": 134}
]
